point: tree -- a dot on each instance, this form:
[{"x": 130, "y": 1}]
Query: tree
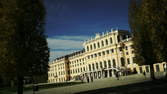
[
  {"x": 22, "y": 41},
  {"x": 148, "y": 25}
]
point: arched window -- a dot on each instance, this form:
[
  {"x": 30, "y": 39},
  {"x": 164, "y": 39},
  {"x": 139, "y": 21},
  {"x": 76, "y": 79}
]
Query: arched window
[
  {"x": 105, "y": 64},
  {"x": 87, "y": 48},
  {"x": 114, "y": 64},
  {"x": 98, "y": 44},
  {"x": 122, "y": 61},
  {"x": 97, "y": 66},
  {"x": 111, "y": 40},
  {"x": 109, "y": 64},
  {"x": 94, "y": 46},
  {"x": 89, "y": 67},
  {"x": 93, "y": 67},
  {"x": 106, "y": 42},
  {"x": 101, "y": 66},
  {"x": 90, "y": 47},
  {"x": 102, "y": 43}
]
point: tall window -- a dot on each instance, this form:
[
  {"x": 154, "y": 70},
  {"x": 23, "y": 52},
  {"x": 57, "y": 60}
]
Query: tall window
[
  {"x": 141, "y": 70},
  {"x": 93, "y": 67},
  {"x": 97, "y": 66},
  {"x": 94, "y": 46},
  {"x": 107, "y": 51},
  {"x": 114, "y": 64},
  {"x": 99, "y": 53},
  {"x": 90, "y": 47},
  {"x": 157, "y": 68},
  {"x": 87, "y": 48},
  {"x": 105, "y": 64},
  {"x": 101, "y": 66},
  {"x": 89, "y": 67},
  {"x": 98, "y": 44},
  {"x": 128, "y": 60},
  {"x": 103, "y": 52},
  {"x": 102, "y": 43},
  {"x": 109, "y": 64},
  {"x": 111, "y": 40},
  {"x": 122, "y": 61},
  {"x": 95, "y": 55},
  {"x": 147, "y": 69},
  {"x": 112, "y": 50},
  {"x": 106, "y": 42},
  {"x": 91, "y": 56}
]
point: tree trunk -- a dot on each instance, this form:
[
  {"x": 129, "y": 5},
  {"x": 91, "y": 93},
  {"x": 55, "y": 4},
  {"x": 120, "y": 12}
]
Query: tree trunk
[
  {"x": 12, "y": 83},
  {"x": 20, "y": 84},
  {"x": 152, "y": 75}
]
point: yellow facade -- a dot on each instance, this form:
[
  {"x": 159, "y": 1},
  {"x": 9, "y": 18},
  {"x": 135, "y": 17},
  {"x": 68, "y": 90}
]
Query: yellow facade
[{"x": 102, "y": 57}]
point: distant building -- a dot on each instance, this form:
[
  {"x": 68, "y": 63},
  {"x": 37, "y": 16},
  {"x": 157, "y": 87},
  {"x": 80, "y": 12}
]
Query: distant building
[{"x": 101, "y": 57}]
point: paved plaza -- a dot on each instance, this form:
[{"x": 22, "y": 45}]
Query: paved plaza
[{"x": 97, "y": 84}]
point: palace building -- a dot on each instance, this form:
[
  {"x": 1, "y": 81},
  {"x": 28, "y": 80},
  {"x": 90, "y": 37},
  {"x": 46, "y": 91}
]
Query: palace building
[{"x": 101, "y": 57}]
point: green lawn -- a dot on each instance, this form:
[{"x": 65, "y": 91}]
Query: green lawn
[{"x": 132, "y": 84}]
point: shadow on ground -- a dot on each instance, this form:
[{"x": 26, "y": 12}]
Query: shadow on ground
[{"x": 149, "y": 87}]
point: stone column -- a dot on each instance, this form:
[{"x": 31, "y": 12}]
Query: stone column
[
  {"x": 108, "y": 73},
  {"x": 113, "y": 75}
]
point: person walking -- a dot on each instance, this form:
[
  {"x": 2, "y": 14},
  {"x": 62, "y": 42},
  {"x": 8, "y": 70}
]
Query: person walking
[
  {"x": 87, "y": 78},
  {"x": 117, "y": 75},
  {"x": 82, "y": 78},
  {"x": 91, "y": 78},
  {"x": 144, "y": 73}
]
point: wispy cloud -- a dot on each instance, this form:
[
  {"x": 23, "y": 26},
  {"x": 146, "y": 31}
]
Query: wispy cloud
[
  {"x": 74, "y": 38},
  {"x": 62, "y": 45}
]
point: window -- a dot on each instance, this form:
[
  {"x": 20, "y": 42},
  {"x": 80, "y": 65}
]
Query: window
[
  {"x": 93, "y": 67},
  {"x": 110, "y": 40},
  {"x": 102, "y": 43},
  {"x": 122, "y": 61},
  {"x": 78, "y": 70},
  {"x": 105, "y": 64},
  {"x": 112, "y": 50},
  {"x": 107, "y": 51},
  {"x": 99, "y": 53},
  {"x": 109, "y": 64},
  {"x": 95, "y": 55},
  {"x": 127, "y": 53},
  {"x": 90, "y": 47},
  {"x": 106, "y": 42},
  {"x": 128, "y": 60},
  {"x": 101, "y": 66},
  {"x": 81, "y": 69},
  {"x": 98, "y": 44},
  {"x": 91, "y": 56},
  {"x": 126, "y": 47},
  {"x": 88, "y": 56},
  {"x": 120, "y": 48},
  {"x": 97, "y": 66},
  {"x": 89, "y": 67},
  {"x": 103, "y": 52},
  {"x": 87, "y": 48},
  {"x": 140, "y": 68},
  {"x": 84, "y": 68},
  {"x": 94, "y": 46},
  {"x": 147, "y": 69},
  {"x": 157, "y": 68},
  {"x": 114, "y": 64}
]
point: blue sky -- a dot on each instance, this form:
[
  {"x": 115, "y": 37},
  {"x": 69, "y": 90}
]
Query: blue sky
[{"x": 70, "y": 22}]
